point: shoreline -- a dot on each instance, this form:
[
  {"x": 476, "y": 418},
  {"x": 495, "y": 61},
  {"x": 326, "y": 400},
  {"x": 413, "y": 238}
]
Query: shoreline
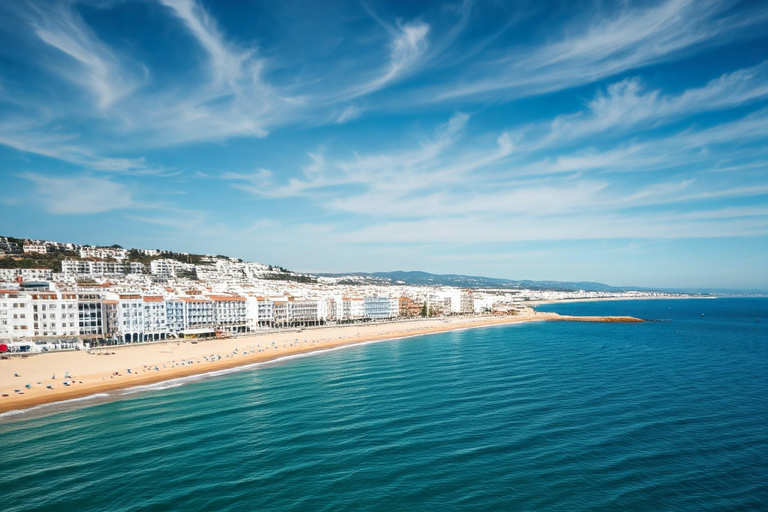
[{"x": 93, "y": 374}]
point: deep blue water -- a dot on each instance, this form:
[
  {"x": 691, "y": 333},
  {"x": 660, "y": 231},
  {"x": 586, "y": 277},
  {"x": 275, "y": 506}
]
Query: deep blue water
[{"x": 665, "y": 415}]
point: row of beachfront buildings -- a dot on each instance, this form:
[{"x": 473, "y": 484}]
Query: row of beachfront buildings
[{"x": 43, "y": 313}]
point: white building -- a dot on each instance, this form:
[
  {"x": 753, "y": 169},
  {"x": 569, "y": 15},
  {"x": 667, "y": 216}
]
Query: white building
[
  {"x": 54, "y": 314},
  {"x": 103, "y": 253},
  {"x": 33, "y": 248},
  {"x": 155, "y": 318},
  {"x": 467, "y": 302},
  {"x": 168, "y": 267},
  {"x": 15, "y": 315},
  {"x": 304, "y": 312},
  {"x": 174, "y": 311},
  {"x": 282, "y": 311},
  {"x": 130, "y": 318},
  {"x": 8, "y": 247},
  {"x": 377, "y": 308},
  {"x": 229, "y": 312},
  {"x": 394, "y": 307},
  {"x": 91, "y": 268},
  {"x": 136, "y": 267},
  {"x": 259, "y": 312},
  {"x": 9, "y": 275},
  {"x": 352, "y": 308},
  {"x": 35, "y": 274},
  {"x": 483, "y": 304},
  {"x": 91, "y": 316},
  {"x": 199, "y": 317}
]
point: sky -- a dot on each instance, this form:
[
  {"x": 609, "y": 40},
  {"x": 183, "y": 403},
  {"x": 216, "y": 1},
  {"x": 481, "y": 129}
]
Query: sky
[{"x": 620, "y": 142}]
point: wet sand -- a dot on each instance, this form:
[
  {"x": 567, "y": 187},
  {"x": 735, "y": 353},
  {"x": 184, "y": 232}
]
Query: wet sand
[{"x": 55, "y": 377}]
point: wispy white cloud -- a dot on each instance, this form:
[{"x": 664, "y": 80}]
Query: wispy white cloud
[
  {"x": 79, "y": 195},
  {"x": 604, "y": 45},
  {"x": 25, "y": 136},
  {"x": 97, "y": 68},
  {"x": 626, "y": 105},
  {"x": 409, "y": 43},
  {"x": 396, "y": 174},
  {"x": 349, "y": 113}
]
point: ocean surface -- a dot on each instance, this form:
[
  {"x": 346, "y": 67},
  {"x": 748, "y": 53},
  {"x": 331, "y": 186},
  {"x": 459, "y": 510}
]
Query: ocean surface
[{"x": 665, "y": 415}]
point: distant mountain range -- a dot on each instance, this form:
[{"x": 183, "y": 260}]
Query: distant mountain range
[{"x": 416, "y": 278}]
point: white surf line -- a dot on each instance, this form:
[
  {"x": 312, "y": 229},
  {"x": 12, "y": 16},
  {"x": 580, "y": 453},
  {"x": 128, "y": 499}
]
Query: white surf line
[{"x": 180, "y": 381}]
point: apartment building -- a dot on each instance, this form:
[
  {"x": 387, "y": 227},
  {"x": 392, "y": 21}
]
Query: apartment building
[
  {"x": 282, "y": 312},
  {"x": 259, "y": 312},
  {"x": 34, "y": 248},
  {"x": 35, "y": 274},
  {"x": 229, "y": 312},
  {"x": 26, "y": 274},
  {"x": 331, "y": 310},
  {"x": 410, "y": 308},
  {"x": 8, "y": 247},
  {"x": 168, "y": 267},
  {"x": 352, "y": 308},
  {"x": 467, "y": 304},
  {"x": 103, "y": 253},
  {"x": 94, "y": 268},
  {"x": 305, "y": 313},
  {"x": 376, "y": 308},
  {"x": 198, "y": 314},
  {"x": 91, "y": 315},
  {"x": 155, "y": 318},
  {"x": 111, "y": 319},
  {"x": 15, "y": 315},
  {"x": 54, "y": 314},
  {"x": 130, "y": 318},
  {"x": 174, "y": 311}
]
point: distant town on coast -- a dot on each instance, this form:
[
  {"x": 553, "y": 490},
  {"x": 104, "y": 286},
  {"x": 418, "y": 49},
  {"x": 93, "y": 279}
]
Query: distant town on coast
[{"x": 56, "y": 296}]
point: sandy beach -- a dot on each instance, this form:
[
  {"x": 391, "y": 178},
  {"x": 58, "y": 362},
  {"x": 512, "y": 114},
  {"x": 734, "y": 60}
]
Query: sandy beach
[{"x": 46, "y": 378}]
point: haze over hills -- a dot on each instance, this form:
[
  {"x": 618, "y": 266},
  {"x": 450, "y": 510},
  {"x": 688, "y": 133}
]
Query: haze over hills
[
  {"x": 13, "y": 255},
  {"x": 463, "y": 281},
  {"x": 417, "y": 278}
]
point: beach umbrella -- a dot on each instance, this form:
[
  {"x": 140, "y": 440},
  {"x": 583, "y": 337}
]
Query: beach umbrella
[{"x": 3, "y": 348}]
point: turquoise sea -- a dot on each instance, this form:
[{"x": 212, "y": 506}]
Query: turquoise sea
[{"x": 665, "y": 415}]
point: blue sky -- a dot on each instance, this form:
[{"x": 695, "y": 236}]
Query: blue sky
[{"x": 618, "y": 142}]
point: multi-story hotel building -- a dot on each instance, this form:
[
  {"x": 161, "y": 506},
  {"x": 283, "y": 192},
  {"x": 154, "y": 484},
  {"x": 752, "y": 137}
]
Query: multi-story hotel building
[
  {"x": 305, "y": 313},
  {"x": 174, "y": 312},
  {"x": 377, "y": 308},
  {"x": 198, "y": 314},
  {"x": 155, "y": 318},
  {"x": 352, "y": 308},
  {"x": 229, "y": 312},
  {"x": 130, "y": 317},
  {"x": 91, "y": 315},
  {"x": 15, "y": 315},
  {"x": 54, "y": 314}
]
